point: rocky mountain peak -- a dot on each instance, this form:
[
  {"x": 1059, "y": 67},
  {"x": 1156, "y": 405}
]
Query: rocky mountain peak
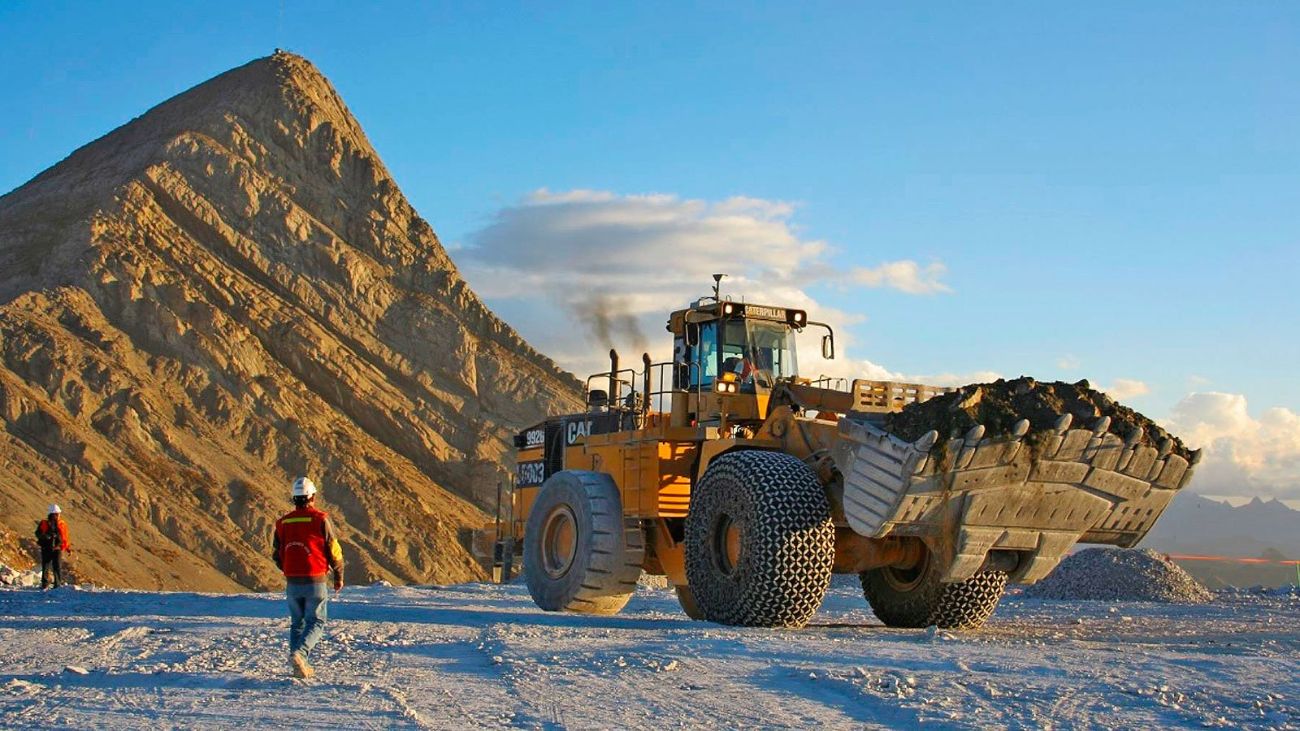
[{"x": 230, "y": 290}]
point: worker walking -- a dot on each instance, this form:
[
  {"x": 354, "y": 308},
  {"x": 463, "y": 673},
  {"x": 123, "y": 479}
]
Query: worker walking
[
  {"x": 306, "y": 550},
  {"x": 52, "y": 536}
]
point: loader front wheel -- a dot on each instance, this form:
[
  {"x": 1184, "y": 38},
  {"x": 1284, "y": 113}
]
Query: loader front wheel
[
  {"x": 913, "y": 596},
  {"x": 580, "y": 554},
  {"x": 759, "y": 541}
]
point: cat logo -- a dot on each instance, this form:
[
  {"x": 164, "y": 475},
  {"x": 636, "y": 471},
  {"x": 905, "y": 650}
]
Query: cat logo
[{"x": 576, "y": 429}]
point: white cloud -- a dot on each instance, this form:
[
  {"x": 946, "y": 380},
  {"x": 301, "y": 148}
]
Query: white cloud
[
  {"x": 593, "y": 269},
  {"x": 1126, "y": 388},
  {"x": 905, "y": 276},
  {"x": 1244, "y": 455}
]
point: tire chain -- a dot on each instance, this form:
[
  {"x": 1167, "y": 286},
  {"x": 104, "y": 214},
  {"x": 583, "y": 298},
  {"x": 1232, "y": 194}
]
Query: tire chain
[
  {"x": 959, "y": 605},
  {"x": 969, "y": 604},
  {"x": 789, "y": 540}
]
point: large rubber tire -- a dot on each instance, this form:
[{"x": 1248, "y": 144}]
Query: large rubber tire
[
  {"x": 580, "y": 553},
  {"x": 777, "y": 568},
  {"x": 915, "y": 597}
]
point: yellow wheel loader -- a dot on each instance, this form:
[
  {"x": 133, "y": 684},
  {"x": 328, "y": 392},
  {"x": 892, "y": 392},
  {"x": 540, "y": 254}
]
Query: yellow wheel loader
[{"x": 748, "y": 486}]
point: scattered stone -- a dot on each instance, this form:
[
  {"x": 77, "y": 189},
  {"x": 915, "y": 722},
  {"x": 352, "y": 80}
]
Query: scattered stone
[
  {"x": 1112, "y": 574},
  {"x": 650, "y": 581},
  {"x": 13, "y": 577}
]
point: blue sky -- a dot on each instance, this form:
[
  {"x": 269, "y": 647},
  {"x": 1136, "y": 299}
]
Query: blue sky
[{"x": 1113, "y": 189}]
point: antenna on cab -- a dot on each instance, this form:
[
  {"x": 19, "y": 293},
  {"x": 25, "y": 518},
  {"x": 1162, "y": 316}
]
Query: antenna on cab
[{"x": 717, "y": 287}]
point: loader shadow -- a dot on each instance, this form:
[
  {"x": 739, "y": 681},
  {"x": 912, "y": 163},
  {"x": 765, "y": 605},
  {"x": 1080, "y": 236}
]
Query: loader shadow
[
  {"x": 846, "y": 625},
  {"x": 129, "y": 605},
  {"x": 479, "y": 617},
  {"x": 138, "y": 680}
]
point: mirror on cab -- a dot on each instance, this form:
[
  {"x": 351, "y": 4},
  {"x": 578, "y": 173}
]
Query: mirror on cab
[{"x": 828, "y": 347}]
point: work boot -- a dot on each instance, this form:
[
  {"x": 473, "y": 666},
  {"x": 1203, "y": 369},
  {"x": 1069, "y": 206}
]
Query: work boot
[{"x": 301, "y": 668}]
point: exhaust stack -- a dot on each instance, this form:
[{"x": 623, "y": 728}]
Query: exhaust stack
[{"x": 613, "y": 377}]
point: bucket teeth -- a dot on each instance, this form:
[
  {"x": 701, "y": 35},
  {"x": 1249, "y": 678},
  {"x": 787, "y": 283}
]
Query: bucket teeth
[
  {"x": 1063, "y": 423},
  {"x": 1102, "y": 425},
  {"x": 1020, "y": 429},
  {"x": 1133, "y": 437},
  {"x": 975, "y": 434},
  {"x": 1166, "y": 446},
  {"x": 926, "y": 441}
]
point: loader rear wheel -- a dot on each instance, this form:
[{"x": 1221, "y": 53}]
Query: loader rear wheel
[
  {"x": 580, "y": 553},
  {"x": 759, "y": 541},
  {"x": 914, "y": 597}
]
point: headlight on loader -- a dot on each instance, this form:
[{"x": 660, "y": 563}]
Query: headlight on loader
[{"x": 721, "y": 386}]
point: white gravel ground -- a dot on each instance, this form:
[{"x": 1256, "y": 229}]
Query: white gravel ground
[{"x": 482, "y": 656}]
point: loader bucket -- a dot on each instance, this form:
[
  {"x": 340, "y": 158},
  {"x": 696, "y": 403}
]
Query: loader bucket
[{"x": 1036, "y": 494}]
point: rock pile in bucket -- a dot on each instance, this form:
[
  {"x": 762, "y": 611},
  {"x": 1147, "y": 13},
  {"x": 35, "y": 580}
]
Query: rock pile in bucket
[{"x": 1002, "y": 403}]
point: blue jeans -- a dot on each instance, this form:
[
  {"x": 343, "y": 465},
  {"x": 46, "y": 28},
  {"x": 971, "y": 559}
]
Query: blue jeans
[{"x": 306, "y": 614}]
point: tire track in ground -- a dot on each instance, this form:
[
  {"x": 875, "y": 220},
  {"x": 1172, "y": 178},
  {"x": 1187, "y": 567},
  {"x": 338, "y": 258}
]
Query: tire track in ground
[{"x": 483, "y": 656}]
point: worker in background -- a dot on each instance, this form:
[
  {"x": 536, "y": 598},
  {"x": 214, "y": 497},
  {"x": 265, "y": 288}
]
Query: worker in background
[
  {"x": 52, "y": 535},
  {"x": 306, "y": 549}
]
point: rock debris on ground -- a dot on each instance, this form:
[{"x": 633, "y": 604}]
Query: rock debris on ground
[
  {"x": 1113, "y": 574},
  {"x": 10, "y": 576},
  {"x": 482, "y": 656}
]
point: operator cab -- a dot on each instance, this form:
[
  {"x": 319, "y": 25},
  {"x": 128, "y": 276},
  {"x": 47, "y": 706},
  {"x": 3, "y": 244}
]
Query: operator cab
[{"x": 751, "y": 346}]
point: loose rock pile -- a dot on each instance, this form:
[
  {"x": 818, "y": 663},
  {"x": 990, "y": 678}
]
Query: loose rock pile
[
  {"x": 14, "y": 577},
  {"x": 999, "y": 405},
  {"x": 1120, "y": 575},
  {"x": 652, "y": 581}
]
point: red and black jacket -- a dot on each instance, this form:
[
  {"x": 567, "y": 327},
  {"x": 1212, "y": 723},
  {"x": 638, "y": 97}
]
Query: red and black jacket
[
  {"x": 52, "y": 536},
  {"x": 305, "y": 546}
]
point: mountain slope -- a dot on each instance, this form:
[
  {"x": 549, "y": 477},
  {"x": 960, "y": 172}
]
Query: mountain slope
[{"x": 228, "y": 291}]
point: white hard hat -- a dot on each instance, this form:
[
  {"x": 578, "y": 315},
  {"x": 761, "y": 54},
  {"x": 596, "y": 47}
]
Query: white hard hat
[
  {"x": 304, "y": 487},
  {"x": 55, "y": 509}
]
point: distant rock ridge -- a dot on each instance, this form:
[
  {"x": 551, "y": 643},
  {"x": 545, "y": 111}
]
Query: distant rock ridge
[
  {"x": 1196, "y": 524},
  {"x": 230, "y": 290}
]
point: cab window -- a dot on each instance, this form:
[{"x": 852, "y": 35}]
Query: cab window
[
  {"x": 758, "y": 352},
  {"x": 706, "y": 356}
]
